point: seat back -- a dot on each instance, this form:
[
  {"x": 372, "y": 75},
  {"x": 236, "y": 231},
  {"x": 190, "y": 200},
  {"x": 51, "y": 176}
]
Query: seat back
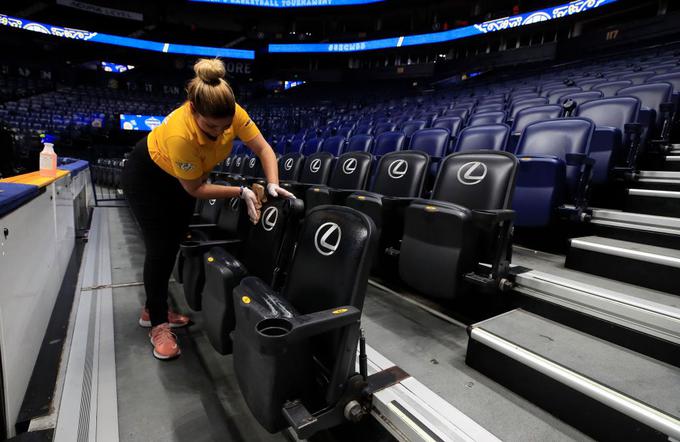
[
  {"x": 613, "y": 112},
  {"x": 637, "y": 77},
  {"x": 582, "y": 97},
  {"x": 671, "y": 77},
  {"x": 486, "y": 137},
  {"x": 317, "y": 168},
  {"x": 290, "y": 166},
  {"x": 363, "y": 129},
  {"x": 237, "y": 165},
  {"x": 210, "y": 209},
  {"x": 252, "y": 167},
  {"x": 359, "y": 143},
  {"x": 523, "y": 104},
  {"x": 490, "y": 107},
  {"x": 401, "y": 174},
  {"x": 310, "y": 146},
  {"x": 334, "y": 145},
  {"x": 432, "y": 141},
  {"x": 610, "y": 88},
  {"x": 478, "y": 119},
  {"x": 588, "y": 84},
  {"x": 383, "y": 127},
  {"x": 452, "y": 124},
  {"x": 351, "y": 171},
  {"x": 557, "y": 138},
  {"x": 389, "y": 142},
  {"x": 460, "y": 112},
  {"x": 530, "y": 115},
  {"x": 477, "y": 180},
  {"x": 651, "y": 96},
  {"x": 295, "y": 146},
  {"x": 555, "y": 95},
  {"x": 411, "y": 126}
]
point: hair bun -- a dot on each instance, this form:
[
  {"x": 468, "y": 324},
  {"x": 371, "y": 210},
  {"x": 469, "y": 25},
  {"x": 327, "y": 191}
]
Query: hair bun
[{"x": 210, "y": 71}]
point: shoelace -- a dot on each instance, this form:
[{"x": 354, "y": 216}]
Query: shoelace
[{"x": 162, "y": 334}]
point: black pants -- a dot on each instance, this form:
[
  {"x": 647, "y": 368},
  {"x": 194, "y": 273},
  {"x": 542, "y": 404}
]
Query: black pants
[{"x": 163, "y": 210}]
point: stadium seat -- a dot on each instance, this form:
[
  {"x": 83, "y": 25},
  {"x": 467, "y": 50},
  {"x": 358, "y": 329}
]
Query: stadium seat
[
  {"x": 290, "y": 167},
  {"x": 555, "y": 95},
  {"x": 411, "y": 126},
  {"x": 363, "y": 129},
  {"x": 610, "y": 142},
  {"x": 652, "y": 96},
  {"x": 434, "y": 142},
  {"x": 466, "y": 221},
  {"x": 461, "y": 113},
  {"x": 400, "y": 177},
  {"x": 670, "y": 77},
  {"x": 334, "y": 145},
  {"x": 486, "y": 137},
  {"x": 295, "y": 351},
  {"x": 359, "y": 143},
  {"x": 552, "y": 154},
  {"x": 637, "y": 77},
  {"x": 530, "y": 115},
  {"x": 383, "y": 127},
  {"x": 310, "y": 146},
  {"x": 388, "y": 142},
  {"x": 295, "y": 146},
  {"x": 489, "y": 108},
  {"x": 588, "y": 83},
  {"x": 610, "y": 88},
  {"x": 581, "y": 97},
  {"x": 523, "y": 104},
  {"x": 315, "y": 171},
  {"x": 350, "y": 173},
  {"x": 477, "y": 119}
]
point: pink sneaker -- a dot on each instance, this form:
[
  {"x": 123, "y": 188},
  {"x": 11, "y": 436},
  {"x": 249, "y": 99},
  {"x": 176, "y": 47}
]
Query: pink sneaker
[
  {"x": 174, "y": 319},
  {"x": 164, "y": 342}
]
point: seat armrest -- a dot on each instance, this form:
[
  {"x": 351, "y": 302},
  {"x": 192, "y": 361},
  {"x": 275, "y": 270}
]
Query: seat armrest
[
  {"x": 275, "y": 334},
  {"x": 492, "y": 217},
  {"x": 195, "y": 248},
  {"x": 633, "y": 128},
  {"x": 578, "y": 159}
]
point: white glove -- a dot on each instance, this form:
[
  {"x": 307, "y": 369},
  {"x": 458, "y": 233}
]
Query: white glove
[
  {"x": 252, "y": 204},
  {"x": 276, "y": 190}
]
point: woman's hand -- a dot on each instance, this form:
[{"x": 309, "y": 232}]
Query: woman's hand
[
  {"x": 276, "y": 190},
  {"x": 252, "y": 204}
]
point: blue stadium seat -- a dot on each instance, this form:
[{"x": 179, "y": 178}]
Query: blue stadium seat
[
  {"x": 610, "y": 88},
  {"x": 528, "y": 116},
  {"x": 363, "y": 129},
  {"x": 478, "y": 119},
  {"x": 670, "y": 77},
  {"x": 388, "y": 142},
  {"x": 461, "y": 113},
  {"x": 637, "y": 77},
  {"x": 432, "y": 141},
  {"x": 547, "y": 177},
  {"x": 609, "y": 140},
  {"x": 555, "y": 95},
  {"x": 588, "y": 83},
  {"x": 359, "y": 143},
  {"x": 582, "y": 97},
  {"x": 411, "y": 126},
  {"x": 489, "y": 108},
  {"x": 334, "y": 145},
  {"x": 310, "y": 146},
  {"x": 383, "y": 127},
  {"x": 295, "y": 146},
  {"x": 525, "y": 103},
  {"x": 651, "y": 96},
  {"x": 488, "y": 137}
]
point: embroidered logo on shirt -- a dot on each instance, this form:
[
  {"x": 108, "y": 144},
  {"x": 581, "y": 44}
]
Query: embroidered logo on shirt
[
  {"x": 186, "y": 167},
  {"x": 247, "y": 123}
]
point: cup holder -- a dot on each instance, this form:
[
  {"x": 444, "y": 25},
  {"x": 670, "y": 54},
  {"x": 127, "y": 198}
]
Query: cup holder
[{"x": 274, "y": 327}]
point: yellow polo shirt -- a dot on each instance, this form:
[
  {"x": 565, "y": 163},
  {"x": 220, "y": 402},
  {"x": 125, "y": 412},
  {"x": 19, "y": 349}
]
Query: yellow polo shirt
[{"x": 183, "y": 150}]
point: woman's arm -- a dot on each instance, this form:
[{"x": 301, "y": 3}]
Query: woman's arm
[{"x": 264, "y": 151}]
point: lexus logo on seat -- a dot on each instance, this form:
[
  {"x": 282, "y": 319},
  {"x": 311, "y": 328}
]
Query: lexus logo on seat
[
  {"x": 233, "y": 203},
  {"x": 327, "y": 238},
  {"x": 269, "y": 218},
  {"x": 212, "y": 202},
  {"x": 472, "y": 173},
  {"x": 315, "y": 165},
  {"x": 228, "y": 163},
  {"x": 397, "y": 169},
  {"x": 251, "y": 164},
  {"x": 288, "y": 164},
  {"x": 349, "y": 166},
  {"x": 238, "y": 162}
]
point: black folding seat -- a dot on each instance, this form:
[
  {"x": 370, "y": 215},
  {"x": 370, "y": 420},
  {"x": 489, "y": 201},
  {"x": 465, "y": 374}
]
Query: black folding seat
[
  {"x": 610, "y": 142},
  {"x": 252, "y": 169},
  {"x": 581, "y": 97},
  {"x": 556, "y": 94},
  {"x": 388, "y": 142},
  {"x": 553, "y": 168},
  {"x": 295, "y": 351},
  {"x": 610, "y": 88},
  {"x": 334, "y": 145},
  {"x": 478, "y": 119},
  {"x": 290, "y": 167},
  {"x": 486, "y": 137},
  {"x": 359, "y": 143},
  {"x": 530, "y": 115},
  {"x": 316, "y": 170},
  {"x": 399, "y": 178},
  {"x": 383, "y": 127},
  {"x": 350, "y": 173},
  {"x": 264, "y": 252},
  {"x": 523, "y": 104},
  {"x": 467, "y": 221},
  {"x": 310, "y": 146}
]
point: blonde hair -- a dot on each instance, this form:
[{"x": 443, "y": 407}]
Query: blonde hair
[{"x": 209, "y": 92}]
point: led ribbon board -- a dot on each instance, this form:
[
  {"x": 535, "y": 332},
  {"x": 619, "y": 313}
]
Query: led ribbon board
[
  {"x": 97, "y": 37},
  {"x": 290, "y": 3},
  {"x": 140, "y": 122},
  {"x": 515, "y": 21}
]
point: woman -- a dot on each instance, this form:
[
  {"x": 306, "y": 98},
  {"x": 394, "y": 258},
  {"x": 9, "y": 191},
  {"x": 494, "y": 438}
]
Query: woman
[{"x": 167, "y": 171}]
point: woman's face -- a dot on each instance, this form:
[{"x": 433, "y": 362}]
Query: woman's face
[{"x": 212, "y": 126}]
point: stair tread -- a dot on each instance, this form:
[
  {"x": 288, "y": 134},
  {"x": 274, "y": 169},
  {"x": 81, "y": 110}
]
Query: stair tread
[
  {"x": 622, "y": 216},
  {"x": 640, "y": 377},
  {"x": 632, "y": 246}
]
